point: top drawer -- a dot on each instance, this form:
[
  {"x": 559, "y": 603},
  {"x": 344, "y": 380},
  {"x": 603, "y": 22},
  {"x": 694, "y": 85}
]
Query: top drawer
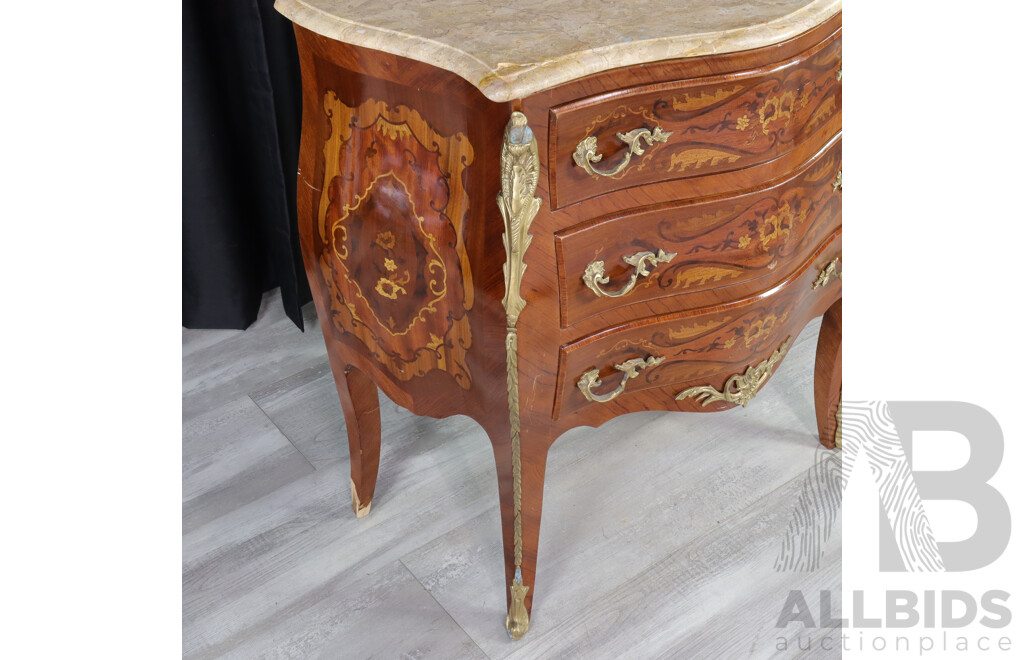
[{"x": 694, "y": 127}]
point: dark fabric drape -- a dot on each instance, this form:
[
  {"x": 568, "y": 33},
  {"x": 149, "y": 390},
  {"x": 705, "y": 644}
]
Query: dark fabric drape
[{"x": 241, "y": 114}]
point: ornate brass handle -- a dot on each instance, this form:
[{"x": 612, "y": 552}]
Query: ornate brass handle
[
  {"x": 826, "y": 274},
  {"x": 594, "y": 274},
  {"x": 586, "y": 150},
  {"x": 629, "y": 369}
]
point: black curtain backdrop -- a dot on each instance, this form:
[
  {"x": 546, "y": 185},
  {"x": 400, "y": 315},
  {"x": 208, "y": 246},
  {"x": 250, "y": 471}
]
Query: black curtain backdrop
[{"x": 241, "y": 115}]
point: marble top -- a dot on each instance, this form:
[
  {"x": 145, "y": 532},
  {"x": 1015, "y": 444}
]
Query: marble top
[{"x": 513, "y": 48}]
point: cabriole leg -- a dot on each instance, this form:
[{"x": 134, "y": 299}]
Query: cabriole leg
[
  {"x": 828, "y": 374},
  {"x": 361, "y": 406}
]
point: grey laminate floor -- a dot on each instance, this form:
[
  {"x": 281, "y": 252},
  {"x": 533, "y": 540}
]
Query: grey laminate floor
[{"x": 659, "y": 538}]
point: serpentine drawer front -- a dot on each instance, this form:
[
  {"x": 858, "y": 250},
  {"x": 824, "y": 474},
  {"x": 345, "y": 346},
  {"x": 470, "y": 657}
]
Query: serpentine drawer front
[
  {"x": 542, "y": 228},
  {"x": 715, "y": 243},
  {"x": 699, "y": 127}
]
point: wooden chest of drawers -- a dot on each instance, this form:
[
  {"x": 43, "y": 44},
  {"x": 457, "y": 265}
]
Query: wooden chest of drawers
[{"x": 645, "y": 237}]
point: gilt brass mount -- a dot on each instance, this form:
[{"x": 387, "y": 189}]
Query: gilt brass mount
[
  {"x": 518, "y": 620},
  {"x": 586, "y": 150},
  {"x": 740, "y": 388},
  {"x": 629, "y": 368},
  {"x": 520, "y": 167},
  {"x": 828, "y": 272},
  {"x": 642, "y": 262}
]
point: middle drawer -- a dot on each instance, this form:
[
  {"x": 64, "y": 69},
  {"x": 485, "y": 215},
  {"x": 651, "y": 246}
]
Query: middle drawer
[{"x": 687, "y": 248}]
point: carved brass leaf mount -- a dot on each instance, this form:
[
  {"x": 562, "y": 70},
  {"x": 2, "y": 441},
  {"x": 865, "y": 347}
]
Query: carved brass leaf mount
[
  {"x": 828, "y": 272},
  {"x": 629, "y": 368},
  {"x": 740, "y": 388},
  {"x": 520, "y": 167},
  {"x": 586, "y": 151},
  {"x": 642, "y": 262}
]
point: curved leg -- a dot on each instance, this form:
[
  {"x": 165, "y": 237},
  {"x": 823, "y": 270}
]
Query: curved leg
[
  {"x": 828, "y": 374},
  {"x": 361, "y": 406},
  {"x": 520, "y": 592}
]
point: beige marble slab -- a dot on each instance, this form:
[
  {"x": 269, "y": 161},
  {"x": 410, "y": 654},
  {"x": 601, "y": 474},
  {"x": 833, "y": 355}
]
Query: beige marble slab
[{"x": 510, "y": 50}]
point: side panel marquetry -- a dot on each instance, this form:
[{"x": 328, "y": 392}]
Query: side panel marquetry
[
  {"x": 390, "y": 235},
  {"x": 717, "y": 124},
  {"x": 704, "y": 347},
  {"x": 715, "y": 243}
]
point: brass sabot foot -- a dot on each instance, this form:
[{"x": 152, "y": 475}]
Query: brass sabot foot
[
  {"x": 362, "y": 509},
  {"x": 518, "y": 620}
]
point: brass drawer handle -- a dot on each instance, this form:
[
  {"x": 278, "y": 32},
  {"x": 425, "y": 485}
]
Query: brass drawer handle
[
  {"x": 594, "y": 275},
  {"x": 740, "y": 388},
  {"x": 586, "y": 150},
  {"x": 629, "y": 369},
  {"x": 828, "y": 272}
]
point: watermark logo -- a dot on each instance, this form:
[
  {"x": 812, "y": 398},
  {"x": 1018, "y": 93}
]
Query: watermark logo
[{"x": 880, "y": 434}]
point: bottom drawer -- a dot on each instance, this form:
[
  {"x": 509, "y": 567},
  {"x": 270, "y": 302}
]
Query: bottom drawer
[{"x": 724, "y": 352}]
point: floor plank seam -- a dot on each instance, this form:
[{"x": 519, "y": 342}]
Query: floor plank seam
[
  {"x": 444, "y": 609},
  {"x": 699, "y": 540},
  {"x": 281, "y": 431}
]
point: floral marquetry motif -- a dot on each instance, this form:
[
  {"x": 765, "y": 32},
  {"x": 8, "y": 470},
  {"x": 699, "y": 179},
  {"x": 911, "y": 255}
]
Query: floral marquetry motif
[{"x": 391, "y": 220}]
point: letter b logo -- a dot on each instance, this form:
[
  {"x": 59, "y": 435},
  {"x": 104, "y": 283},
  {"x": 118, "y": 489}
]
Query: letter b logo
[{"x": 904, "y": 524}]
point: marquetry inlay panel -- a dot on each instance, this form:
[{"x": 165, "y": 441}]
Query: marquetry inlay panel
[{"x": 391, "y": 219}]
